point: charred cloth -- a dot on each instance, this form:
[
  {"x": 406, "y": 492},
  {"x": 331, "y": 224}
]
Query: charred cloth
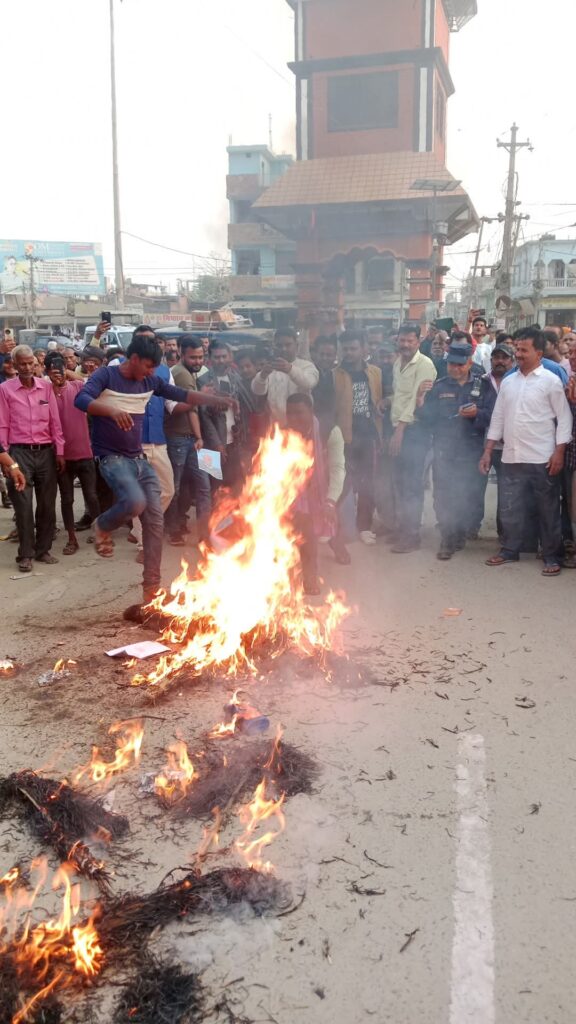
[
  {"x": 160, "y": 993},
  {"x": 61, "y": 818},
  {"x": 230, "y": 773},
  {"x": 128, "y": 920}
]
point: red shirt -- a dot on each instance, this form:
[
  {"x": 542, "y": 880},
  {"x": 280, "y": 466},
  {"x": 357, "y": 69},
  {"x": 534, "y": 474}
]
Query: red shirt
[
  {"x": 29, "y": 415},
  {"x": 74, "y": 422}
]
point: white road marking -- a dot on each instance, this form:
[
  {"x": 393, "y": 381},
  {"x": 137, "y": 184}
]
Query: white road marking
[{"x": 472, "y": 990}]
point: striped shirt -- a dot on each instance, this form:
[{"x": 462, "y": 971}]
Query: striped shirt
[{"x": 131, "y": 396}]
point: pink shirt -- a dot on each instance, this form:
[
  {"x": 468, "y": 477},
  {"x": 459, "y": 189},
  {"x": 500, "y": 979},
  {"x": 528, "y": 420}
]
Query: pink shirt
[
  {"x": 74, "y": 422},
  {"x": 29, "y": 415}
]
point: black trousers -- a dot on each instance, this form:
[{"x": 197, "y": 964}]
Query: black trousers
[
  {"x": 456, "y": 494},
  {"x": 35, "y": 534},
  {"x": 523, "y": 485},
  {"x": 360, "y": 468},
  {"x": 408, "y": 483},
  {"x": 85, "y": 470},
  {"x": 497, "y": 464}
]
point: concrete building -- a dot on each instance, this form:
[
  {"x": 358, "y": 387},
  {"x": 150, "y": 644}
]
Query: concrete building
[
  {"x": 544, "y": 282},
  {"x": 262, "y": 285},
  {"x": 370, "y": 186}
]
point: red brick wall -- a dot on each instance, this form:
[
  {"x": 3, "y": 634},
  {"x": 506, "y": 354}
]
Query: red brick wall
[
  {"x": 442, "y": 31},
  {"x": 336, "y": 28},
  {"x": 377, "y": 140}
]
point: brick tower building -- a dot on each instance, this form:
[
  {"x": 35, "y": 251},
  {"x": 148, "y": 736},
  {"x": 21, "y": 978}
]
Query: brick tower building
[{"x": 370, "y": 199}]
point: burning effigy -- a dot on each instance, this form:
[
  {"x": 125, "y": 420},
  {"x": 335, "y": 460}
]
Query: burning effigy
[{"x": 246, "y": 600}]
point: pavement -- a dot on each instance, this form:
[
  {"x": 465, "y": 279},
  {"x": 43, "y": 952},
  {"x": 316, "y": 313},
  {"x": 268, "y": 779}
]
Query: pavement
[{"x": 435, "y": 859}]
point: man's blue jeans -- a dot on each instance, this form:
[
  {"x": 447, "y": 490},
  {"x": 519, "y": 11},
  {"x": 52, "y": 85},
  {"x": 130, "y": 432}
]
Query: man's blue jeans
[
  {"x": 137, "y": 493},
  {"x": 184, "y": 458}
]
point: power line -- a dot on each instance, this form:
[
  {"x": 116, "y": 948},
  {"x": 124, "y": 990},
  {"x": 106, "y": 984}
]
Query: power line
[{"x": 169, "y": 248}]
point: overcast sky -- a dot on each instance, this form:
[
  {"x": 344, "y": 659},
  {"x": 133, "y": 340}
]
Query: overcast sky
[{"x": 193, "y": 73}]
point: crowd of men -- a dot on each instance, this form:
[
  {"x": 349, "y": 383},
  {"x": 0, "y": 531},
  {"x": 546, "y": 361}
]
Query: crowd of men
[{"x": 380, "y": 415}]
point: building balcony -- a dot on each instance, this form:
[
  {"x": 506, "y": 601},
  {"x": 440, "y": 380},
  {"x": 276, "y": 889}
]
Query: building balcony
[
  {"x": 243, "y": 186},
  {"x": 561, "y": 284},
  {"x": 254, "y": 233},
  {"x": 460, "y": 12},
  {"x": 244, "y": 285},
  {"x": 546, "y": 287}
]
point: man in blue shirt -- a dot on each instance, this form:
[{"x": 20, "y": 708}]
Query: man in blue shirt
[
  {"x": 116, "y": 397},
  {"x": 548, "y": 364}
]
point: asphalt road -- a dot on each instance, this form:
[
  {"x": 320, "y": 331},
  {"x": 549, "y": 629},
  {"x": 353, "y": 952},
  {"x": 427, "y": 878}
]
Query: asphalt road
[{"x": 437, "y": 855}]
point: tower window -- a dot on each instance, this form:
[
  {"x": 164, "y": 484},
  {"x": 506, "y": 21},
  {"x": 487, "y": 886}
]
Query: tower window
[{"x": 357, "y": 102}]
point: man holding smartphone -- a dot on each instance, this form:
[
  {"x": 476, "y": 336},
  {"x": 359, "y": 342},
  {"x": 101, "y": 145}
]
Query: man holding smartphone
[
  {"x": 284, "y": 374},
  {"x": 449, "y": 409}
]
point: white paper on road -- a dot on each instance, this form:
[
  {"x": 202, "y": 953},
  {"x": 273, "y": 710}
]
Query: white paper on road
[
  {"x": 145, "y": 649},
  {"x": 210, "y": 462}
]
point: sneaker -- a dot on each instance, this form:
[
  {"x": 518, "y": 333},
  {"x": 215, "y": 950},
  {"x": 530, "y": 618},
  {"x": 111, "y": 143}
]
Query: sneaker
[
  {"x": 367, "y": 537},
  {"x": 6, "y": 503},
  {"x": 177, "y": 540},
  {"x": 83, "y": 524}
]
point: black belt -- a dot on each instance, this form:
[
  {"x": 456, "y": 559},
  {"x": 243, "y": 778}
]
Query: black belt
[{"x": 32, "y": 447}]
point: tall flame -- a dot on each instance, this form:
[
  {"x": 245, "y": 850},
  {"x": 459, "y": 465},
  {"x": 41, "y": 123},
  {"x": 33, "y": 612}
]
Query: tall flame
[
  {"x": 127, "y": 753},
  {"x": 50, "y": 953},
  {"x": 261, "y": 808},
  {"x": 249, "y": 591},
  {"x": 177, "y": 778}
]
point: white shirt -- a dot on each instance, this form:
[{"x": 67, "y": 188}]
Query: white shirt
[
  {"x": 483, "y": 355},
  {"x": 303, "y": 377},
  {"x": 532, "y": 416}
]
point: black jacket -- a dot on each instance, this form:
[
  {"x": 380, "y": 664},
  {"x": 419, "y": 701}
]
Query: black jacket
[
  {"x": 213, "y": 421},
  {"x": 453, "y": 435}
]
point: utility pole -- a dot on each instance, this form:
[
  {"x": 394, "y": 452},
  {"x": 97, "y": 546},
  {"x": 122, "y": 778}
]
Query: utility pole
[
  {"x": 32, "y": 260},
  {"x": 118, "y": 266},
  {"x": 473, "y": 285},
  {"x": 504, "y": 278}
]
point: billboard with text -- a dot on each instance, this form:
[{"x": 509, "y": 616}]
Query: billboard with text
[{"x": 60, "y": 268}]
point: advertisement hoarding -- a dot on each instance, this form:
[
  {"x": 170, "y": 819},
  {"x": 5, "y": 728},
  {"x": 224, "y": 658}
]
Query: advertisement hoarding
[{"x": 60, "y": 268}]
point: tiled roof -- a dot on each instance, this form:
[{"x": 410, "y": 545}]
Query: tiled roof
[{"x": 365, "y": 178}]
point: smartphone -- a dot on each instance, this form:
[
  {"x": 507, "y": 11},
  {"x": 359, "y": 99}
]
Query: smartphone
[{"x": 106, "y": 318}]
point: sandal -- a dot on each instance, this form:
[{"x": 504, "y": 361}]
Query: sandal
[
  {"x": 551, "y": 569},
  {"x": 47, "y": 559},
  {"x": 569, "y": 562},
  {"x": 25, "y": 565},
  {"x": 71, "y": 547},
  {"x": 103, "y": 543},
  {"x": 500, "y": 560}
]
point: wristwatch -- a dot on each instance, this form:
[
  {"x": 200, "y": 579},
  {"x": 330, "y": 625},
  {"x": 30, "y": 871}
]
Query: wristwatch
[{"x": 14, "y": 466}]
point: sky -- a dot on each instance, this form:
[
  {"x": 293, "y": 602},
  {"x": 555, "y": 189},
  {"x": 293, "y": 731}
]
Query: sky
[{"x": 195, "y": 74}]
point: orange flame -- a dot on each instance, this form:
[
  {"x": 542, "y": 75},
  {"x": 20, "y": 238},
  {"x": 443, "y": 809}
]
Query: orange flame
[
  {"x": 261, "y": 808},
  {"x": 7, "y": 666},
  {"x": 127, "y": 753},
  {"x": 249, "y": 591},
  {"x": 10, "y": 878},
  {"x": 177, "y": 777},
  {"x": 210, "y": 837},
  {"x": 224, "y": 730},
  {"x": 56, "y": 946},
  {"x": 63, "y": 664}
]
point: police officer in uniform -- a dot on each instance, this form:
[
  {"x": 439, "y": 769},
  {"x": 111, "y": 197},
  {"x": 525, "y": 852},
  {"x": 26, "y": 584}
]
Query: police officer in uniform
[{"x": 449, "y": 409}]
